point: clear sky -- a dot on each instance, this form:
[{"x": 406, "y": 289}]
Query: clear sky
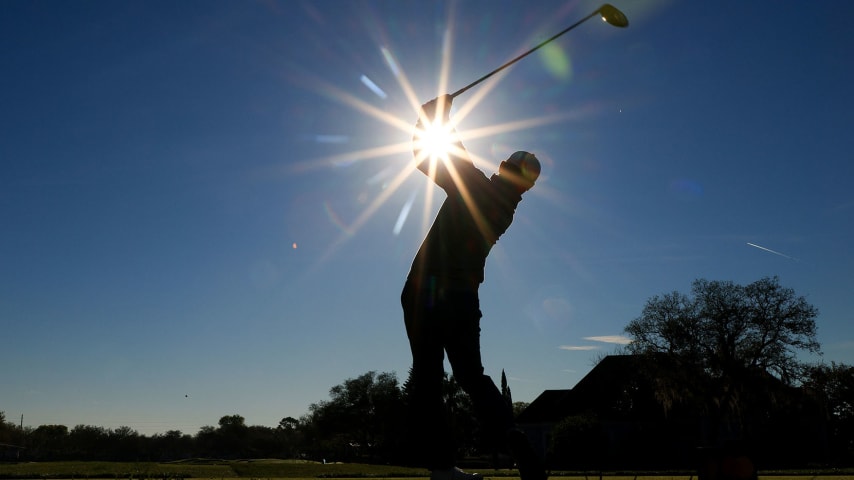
[{"x": 208, "y": 207}]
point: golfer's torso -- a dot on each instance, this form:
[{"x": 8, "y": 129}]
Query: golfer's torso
[{"x": 465, "y": 229}]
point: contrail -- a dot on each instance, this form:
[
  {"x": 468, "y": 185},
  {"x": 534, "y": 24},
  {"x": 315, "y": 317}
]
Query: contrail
[{"x": 772, "y": 251}]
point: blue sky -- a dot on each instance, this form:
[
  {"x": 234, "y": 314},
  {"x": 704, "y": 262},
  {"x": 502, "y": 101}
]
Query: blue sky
[{"x": 206, "y": 210}]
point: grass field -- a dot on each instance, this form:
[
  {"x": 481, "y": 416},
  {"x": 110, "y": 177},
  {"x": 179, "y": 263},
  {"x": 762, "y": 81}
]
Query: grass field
[{"x": 268, "y": 469}]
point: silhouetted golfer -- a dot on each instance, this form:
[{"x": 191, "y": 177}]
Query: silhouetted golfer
[{"x": 441, "y": 307}]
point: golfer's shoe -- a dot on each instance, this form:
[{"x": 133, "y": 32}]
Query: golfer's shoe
[
  {"x": 453, "y": 474},
  {"x": 531, "y": 466}
]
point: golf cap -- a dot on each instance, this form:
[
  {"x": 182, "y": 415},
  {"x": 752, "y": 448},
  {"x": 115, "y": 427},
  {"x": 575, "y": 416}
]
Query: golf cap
[{"x": 524, "y": 164}]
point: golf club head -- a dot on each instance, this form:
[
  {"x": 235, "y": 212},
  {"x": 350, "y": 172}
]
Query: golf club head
[{"x": 613, "y": 16}]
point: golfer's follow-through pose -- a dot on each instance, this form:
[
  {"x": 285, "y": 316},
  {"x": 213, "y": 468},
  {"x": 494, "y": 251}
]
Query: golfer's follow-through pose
[{"x": 441, "y": 307}]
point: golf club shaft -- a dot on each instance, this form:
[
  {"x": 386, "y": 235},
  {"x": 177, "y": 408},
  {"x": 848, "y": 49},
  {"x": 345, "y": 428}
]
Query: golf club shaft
[{"x": 511, "y": 62}]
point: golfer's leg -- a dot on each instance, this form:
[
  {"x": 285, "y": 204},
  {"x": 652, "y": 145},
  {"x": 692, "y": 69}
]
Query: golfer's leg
[
  {"x": 462, "y": 343},
  {"x": 493, "y": 410},
  {"x": 429, "y": 430}
]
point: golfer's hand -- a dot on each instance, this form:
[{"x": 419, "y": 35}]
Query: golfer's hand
[{"x": 428, "y": 110}]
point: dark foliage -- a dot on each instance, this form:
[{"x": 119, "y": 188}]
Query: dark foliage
[{"x": 363, "y": 420}]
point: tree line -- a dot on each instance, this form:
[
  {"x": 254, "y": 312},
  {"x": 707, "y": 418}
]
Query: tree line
[
  {"x": 722, "y": 345},
  {"x": 363, "y": 419},
  {"x": 735, "y": 354}
]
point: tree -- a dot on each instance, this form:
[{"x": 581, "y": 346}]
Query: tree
[
  {"x": 6, "y": 429},
  {"x": 88, "y": 442},
  {"x": 519, "y": 407},
  {"x": 290, "y": 435},
  {"x": 206, "y": 441},
  {"x": 124, "y": 443},
  {"x": 231, "y": 436},
  {"x": 726, "y": 328},
  {"x": 505, "y": 389},
  {"x": 10, "y": 433},
  {"x": 361, "y": 418},
  {"x": 48, "y": 442},
  {"x": 834, "y": 386},
  {"x": 262, "y": 442},
  {"x": 172, "y": 445},
  {"x": 723, "y": 346}
]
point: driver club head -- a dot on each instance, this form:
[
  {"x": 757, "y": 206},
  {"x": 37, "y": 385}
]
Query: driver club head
[{"x": 613, "y": 16}]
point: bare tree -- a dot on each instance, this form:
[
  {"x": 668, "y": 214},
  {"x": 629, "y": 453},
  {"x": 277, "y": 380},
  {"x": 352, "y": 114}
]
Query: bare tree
[
  {"x": 724, "y": 328},
  {"x": 730, "y": 350},
  {"x": 834, "y": 386}
]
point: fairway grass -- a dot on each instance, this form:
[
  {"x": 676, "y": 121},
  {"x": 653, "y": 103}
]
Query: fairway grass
[
  {"x": 203, "y": 468},
  {"x": 270, "y": 469}
]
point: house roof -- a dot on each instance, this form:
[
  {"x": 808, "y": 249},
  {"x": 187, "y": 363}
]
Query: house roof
[
  {"x": 543, "y": 407},
  {"x": 622, "y": 385},
  {"x": 602, "y": 385}
]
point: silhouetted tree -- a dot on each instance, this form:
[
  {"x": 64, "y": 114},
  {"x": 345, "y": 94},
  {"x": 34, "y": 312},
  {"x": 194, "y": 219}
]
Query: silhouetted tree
[
  {"x": 5, "y": 428},
  {"x": 262, "y": 442},
  {"x": 360, "y": 418},
  {"x": 519, "y": 407},
  {"x": 207, "y": 442},
  {"x": 88, "y": 442},
  {"x": 124, "y": 444},
  {"x": 10, "y": 433},
  {"x": 720, "y": 346},
  {"x": 48, "y": 442},
  {"x": 505, "y": 389},
  {"x": 172, "y": 445},
  {"x": 291, "y": 437},
  {"x": 833, "y": 385},
  {"x": 231, "y": 437}
]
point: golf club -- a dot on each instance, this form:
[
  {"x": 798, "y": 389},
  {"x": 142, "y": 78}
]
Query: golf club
[{"x": 609, "y": 14}]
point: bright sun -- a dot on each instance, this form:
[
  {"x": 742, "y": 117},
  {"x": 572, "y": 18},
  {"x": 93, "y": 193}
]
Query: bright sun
[{"x": 436, "y": 141}]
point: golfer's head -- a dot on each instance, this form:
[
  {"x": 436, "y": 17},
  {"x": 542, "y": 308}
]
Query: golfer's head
[{"x": 522, "y": 169}]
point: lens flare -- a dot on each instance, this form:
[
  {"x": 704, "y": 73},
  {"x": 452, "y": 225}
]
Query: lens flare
[
  {"x": 437, "y": 140},
  {"x": 556, "y": 61},
  {"x": 436, "y": 144}
]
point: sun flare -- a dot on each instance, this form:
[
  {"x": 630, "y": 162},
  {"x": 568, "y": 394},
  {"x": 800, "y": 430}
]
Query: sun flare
[{"x": 437, "y": 140}]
